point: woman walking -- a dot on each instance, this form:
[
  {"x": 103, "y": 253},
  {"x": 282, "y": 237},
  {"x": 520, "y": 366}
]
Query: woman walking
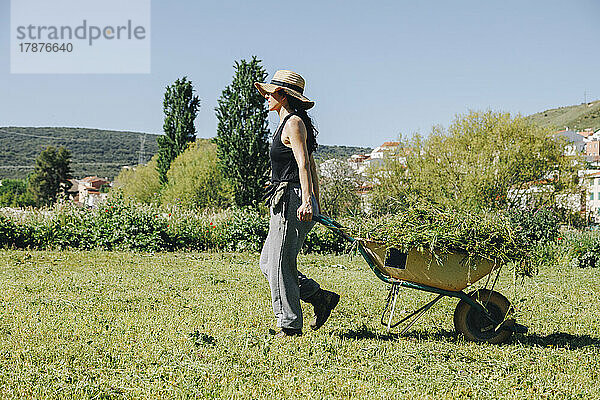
[{"x": 293, "y": 200}]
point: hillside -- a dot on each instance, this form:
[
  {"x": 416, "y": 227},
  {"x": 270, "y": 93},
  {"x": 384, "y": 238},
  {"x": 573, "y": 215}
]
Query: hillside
[
  {"x": 95, "y": 151},
  {"x": 578, "y": 117}
]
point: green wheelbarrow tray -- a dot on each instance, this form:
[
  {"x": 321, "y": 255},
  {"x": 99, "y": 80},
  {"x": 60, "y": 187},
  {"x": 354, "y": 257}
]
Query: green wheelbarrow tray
[{"x": 483, "y": 315}]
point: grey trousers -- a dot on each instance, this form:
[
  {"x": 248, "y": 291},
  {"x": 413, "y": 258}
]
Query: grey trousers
[{"x": 278, "y": 257}]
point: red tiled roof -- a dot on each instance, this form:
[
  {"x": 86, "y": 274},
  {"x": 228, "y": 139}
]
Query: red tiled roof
[
  {"x": 91, "y": 179},
  {"x": 390, "y": 144},
  {"x": 534, "y": 183}
]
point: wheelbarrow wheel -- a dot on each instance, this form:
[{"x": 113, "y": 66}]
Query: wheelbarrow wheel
[{"x": 474, "y": 324}]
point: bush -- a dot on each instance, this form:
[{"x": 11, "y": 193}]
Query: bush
[
  {"x": 244, "y": 230},
  {"x": 544, "y": 254},
  {"x": 141, "y": 183},
  {"x": 534, "y": 225},
  {"x": 14, "y": 193},
  {"x": 338, "y": 188},
  {"x": 194, "y": 181},
  {"x": 64, "y": 227},
  {"x": 117, "y": 225},
  {"x": 122, "y": 225},
  {"x": 583, "y": 249},
  {"x": 11, "y": 234},
  {"x": 323, "y": 240}
]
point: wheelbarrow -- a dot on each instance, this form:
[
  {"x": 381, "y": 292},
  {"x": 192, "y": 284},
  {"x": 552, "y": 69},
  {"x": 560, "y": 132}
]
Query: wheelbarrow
[{"x": 483, "y": 315}]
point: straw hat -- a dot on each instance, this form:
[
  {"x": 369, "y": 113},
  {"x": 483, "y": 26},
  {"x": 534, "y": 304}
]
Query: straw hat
[{"x": 291, "y": 82}]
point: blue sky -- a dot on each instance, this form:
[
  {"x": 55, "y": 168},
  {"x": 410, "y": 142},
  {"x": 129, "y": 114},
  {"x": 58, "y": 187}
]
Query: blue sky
[{"x": 375, "y": 69}]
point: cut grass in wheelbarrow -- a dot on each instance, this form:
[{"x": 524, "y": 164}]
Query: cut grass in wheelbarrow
[{"x": 481, "y": 316}]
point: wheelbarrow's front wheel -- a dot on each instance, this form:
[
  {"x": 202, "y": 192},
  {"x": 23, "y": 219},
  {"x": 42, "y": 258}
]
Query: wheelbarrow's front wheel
[{"x": 476, "y": 326}]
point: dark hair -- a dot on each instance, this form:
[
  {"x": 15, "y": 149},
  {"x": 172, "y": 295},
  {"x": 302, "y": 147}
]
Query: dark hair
[{"x": 298, "y": 107}]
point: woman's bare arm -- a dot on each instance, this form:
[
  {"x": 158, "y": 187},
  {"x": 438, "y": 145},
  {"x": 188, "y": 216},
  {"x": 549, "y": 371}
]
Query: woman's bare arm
[{"x": 296, "y": 132}]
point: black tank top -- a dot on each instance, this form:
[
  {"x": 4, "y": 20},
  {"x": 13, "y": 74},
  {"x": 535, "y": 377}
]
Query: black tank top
[{"x": 283, "y": 163}]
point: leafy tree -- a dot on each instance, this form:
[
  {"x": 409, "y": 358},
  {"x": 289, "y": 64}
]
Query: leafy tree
[
  {"x": 195, "y": 180},
  {"x": 51, "y": 175},
  {"x": 242, "y": 133},
  {"x": 14, "y": 193},
  {"x": 140, "y": 183},
  {"x": 180, "y": 106},
  {"x": 483, "y": 160},
  {"x": 338, "y": 187}
]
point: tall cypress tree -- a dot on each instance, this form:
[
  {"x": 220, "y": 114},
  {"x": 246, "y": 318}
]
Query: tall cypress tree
[
  {"x": 243, "y": 134},
  {"x": 51, "y": 175},
  {"x": 180, "y": 106}
]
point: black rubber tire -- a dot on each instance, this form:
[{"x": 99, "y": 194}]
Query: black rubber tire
[{"x": 475, "y": 326}]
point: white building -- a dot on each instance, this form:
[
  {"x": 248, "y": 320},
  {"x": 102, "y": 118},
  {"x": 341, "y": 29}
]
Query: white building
[
  {"x": 362, "y": 163},
  {"x": 592, "y": 185},
  {"x": 89, "y": 191}
]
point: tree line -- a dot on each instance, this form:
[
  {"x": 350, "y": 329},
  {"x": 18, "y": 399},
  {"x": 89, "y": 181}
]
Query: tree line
[
  {"x": 231, "y": 169},
  {"x": 48, "y": 182}
]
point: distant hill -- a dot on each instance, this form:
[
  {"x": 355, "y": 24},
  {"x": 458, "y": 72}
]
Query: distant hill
[
  {"x": 577, "y": 117},
  {"x": 95, "y": 151}
]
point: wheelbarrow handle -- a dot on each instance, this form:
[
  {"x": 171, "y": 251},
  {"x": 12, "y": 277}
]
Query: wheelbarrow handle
[
  {"x": 327, "y": 221},
  {"x": 333, "y": 225}
]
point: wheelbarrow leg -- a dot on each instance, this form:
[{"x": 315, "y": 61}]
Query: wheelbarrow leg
[
  {"x": 395, "y": 290},
  {"x": 417, "y": 314}
]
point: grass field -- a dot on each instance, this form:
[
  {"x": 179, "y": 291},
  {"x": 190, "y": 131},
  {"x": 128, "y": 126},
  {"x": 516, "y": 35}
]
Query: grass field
[{"x": 195, "y": 325}]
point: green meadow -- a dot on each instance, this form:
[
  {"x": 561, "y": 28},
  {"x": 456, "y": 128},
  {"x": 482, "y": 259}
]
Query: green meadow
[{"x": 121, "y": 325}]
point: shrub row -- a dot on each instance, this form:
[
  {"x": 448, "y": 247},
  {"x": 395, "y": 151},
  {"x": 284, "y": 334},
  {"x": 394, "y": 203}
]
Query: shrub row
[{"x": 118, "y": 225}]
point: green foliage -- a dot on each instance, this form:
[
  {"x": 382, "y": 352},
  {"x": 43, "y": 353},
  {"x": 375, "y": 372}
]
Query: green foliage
[
  {"x": 338, "y": 187},
  {"x": 536, "y": 230},
  {"x": 11, "y": 234},
  {"x": 488, "y": 235},
  {"x": 242, "y": 133},
  {"x": 140, "y": 184},
  {"x": 65, "y": 227},
  {"x": 535, "y": 225},
  {"x": 245, "y": 230},
  {"x": 195, "y": 181},
  {"x": 14, "y": 193},
  {"x": 180, "y": 106},
  {"x": 583, "y": 249},
  {"x": 545, "y": 255},
  {"x": 51, "y": 175},
  {"x": 324, "y": 241},
  {"x": 483, "y": 160},
  {"x": 94, "y": 151},
  {"x": 122, "y": 225}
]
